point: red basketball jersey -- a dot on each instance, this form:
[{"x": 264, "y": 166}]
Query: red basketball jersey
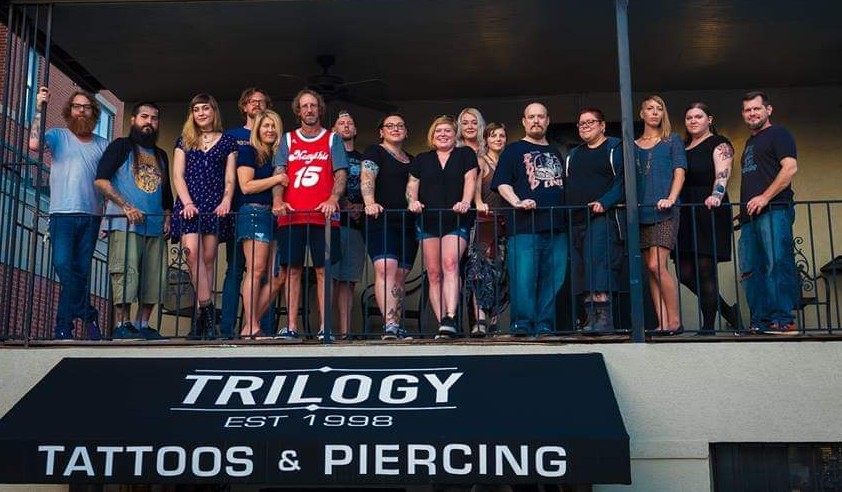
[{"x": 310, "y": 171}]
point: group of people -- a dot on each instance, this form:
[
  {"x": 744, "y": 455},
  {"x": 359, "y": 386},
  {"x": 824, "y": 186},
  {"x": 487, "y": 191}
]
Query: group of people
[{"x": 269, "y": 196}]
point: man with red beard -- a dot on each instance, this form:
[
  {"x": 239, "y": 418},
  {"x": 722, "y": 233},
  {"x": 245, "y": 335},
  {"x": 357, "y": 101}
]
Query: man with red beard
[
  {"x": 133, "y": 174},
  {"x": 75, "y": 205}
]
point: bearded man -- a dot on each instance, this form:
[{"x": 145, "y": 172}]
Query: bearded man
[
  {"x": 133, "y": 176},
  {"x": 75, "y": 205}
]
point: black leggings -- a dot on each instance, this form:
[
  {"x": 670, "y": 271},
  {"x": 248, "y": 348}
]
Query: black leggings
[{"x": 706, "y": 289}]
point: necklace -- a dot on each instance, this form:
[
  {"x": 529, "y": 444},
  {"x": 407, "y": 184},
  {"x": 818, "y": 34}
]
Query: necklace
[{"x": 207, "y": 139}]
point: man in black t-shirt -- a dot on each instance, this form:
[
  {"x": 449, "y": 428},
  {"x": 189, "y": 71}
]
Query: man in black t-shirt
[
  {"x": 530, "y": 177},
  {"x": 767, "y": 262}
]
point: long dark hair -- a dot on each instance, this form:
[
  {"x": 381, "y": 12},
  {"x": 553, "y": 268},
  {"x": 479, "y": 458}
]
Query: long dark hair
[{"x": 706, "y": 111}]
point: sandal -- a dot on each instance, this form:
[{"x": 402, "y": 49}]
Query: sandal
[{"x": 480, "y": 329}]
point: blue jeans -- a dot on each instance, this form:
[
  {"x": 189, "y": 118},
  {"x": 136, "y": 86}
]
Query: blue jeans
[
  {"x": 537, "y": 264},
  {"x": 767, "y": 267},
  {"x": 73, "y": 238},
  {"x": 235, "y": 265}
]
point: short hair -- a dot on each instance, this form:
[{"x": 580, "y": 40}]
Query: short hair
[
  {"x": 460, "y": 142},
  {"x": 95, "y": 108},
  {"x": 296, "y": 102},
  {"x": 141, "y": 104},
  {"x": 441, "y": 120},
  {"x": 264, "y": 153},
  {"x": 666, "y": 127},
  {"x": 600, "y": 116},
  {"x": 246, "y": 95},
  {"x": 546, "y": 109},
  {"x": 748, "y": 96},
  {"x": 190, "y": 131}
]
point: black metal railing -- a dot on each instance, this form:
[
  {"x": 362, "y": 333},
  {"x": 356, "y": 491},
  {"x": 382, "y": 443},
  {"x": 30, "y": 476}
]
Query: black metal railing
[{"x": 704, "y": 268}]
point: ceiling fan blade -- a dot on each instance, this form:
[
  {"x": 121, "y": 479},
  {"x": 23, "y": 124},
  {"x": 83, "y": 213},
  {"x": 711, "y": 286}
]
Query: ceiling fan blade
[{"x": 366, "y": 102}]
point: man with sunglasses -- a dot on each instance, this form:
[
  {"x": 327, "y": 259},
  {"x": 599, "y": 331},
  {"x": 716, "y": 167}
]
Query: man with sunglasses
[{"x": 75, "y": 205}]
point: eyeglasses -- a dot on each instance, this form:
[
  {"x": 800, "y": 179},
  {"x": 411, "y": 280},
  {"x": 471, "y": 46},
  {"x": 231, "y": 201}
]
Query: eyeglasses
[
  {"x": 81, "y": 107},
  {"x": 394, "y": 126},
  {"x": 588, "y": 123},
  {"x": 260, "y": 102}
]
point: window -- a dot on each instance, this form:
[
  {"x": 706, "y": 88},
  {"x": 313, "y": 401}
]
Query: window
[
  {"x": 31, "y": 84},
  {"x": 105, "y": 125},
  {"x": 773, "y": 467}
]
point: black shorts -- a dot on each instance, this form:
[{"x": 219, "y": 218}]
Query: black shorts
[
  {"x": 395, "y": 242},
  {"x": 293, "y": 240}
]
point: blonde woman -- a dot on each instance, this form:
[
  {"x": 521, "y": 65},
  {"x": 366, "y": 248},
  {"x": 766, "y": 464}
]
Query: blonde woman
[
  {"x": 470, "y": 128},
  {"x": 204, "y": 162},
  {"x": 661, "y": 166},
  {"x": 255, "y": 229}
]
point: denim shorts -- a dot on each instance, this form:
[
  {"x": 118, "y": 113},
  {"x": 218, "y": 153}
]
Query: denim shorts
[
  {"x": 393, "y": 242},
  {"x": 461, "y": 231},
  {"x": 255, "y": 221}
]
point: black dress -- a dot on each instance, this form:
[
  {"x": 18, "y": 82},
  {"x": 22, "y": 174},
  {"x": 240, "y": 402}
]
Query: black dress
[{"x": 702, "y": 231}]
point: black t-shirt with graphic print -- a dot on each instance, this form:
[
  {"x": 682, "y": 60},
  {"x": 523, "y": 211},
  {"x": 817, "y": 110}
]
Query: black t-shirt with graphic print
[
  {"x": 761, "y": 163},
  {"x": 534, "y": 172}
]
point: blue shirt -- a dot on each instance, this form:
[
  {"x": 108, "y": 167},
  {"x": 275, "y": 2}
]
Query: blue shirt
[
  {"x": 247, "y": 157},
  {"x": 141, "y": 186},
  {"x": 72, "y": 172},
  {"x": 655, "y": 169}
]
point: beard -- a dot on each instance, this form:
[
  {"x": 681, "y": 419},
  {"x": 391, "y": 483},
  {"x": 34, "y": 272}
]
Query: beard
[
  {"x": 142, "y": 138},
  {"x": 82, "y": 126}
]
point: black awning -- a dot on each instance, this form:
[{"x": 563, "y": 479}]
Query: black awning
[{"x": 319, "y": 421}]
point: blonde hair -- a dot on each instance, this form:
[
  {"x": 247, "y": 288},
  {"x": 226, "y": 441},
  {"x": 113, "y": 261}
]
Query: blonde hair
[
  {"x": 666, "y": 127},
  {"x": 460, "y": 141},
  {"x": 190, "y": 131},
  {"x": 263, "y": 151},
  {"x": 441, "y": 120}
]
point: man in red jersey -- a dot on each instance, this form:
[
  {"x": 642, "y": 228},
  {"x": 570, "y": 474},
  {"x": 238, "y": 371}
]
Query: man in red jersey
[{"x": 315, "y": 161}]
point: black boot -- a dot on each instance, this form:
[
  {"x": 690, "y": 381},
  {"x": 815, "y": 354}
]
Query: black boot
[{"x": 208, "y": 326}]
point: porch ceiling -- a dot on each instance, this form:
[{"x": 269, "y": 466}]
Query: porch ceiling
[{"x": 448, "y": 49}]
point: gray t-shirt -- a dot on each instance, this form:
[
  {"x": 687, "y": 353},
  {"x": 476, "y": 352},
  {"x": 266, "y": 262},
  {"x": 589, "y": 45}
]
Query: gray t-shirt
[{"x": 72, "y": 172}]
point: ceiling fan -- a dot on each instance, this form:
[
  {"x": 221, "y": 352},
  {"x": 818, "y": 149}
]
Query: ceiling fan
[{"x": 367, "y": 93}]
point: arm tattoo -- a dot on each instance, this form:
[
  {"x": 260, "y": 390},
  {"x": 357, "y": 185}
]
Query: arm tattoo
[
  {"x": 725, "y": 151},
  {"x": 339, "y": 180},
  {"x": 366, "y": 185},
  {"x": 35, "y": 127},
  {"x": 109, "y": 192},
  {"x": 412, "y": 188},
  {"x": 371, "y": 166}
]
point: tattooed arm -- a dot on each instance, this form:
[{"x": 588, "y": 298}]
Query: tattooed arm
[
  {"x": 279, "y": 206},
  {"x": 41, "y": 98},
  {"x": 331, "y": 205},
  {"x": 368, "y": 176},
  {"x": 412, "y": 185},
  {"x": 723, "y": 159}
]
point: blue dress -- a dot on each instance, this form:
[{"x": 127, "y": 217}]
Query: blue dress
[{"x": 204, "y": 173}]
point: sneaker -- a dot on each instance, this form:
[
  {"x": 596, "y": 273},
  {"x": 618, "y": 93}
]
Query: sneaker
[
  {"x": 447, "y": 328},
  {"x": 94, "y": 333},
  {"x": 776, "y": 328},
  {"x": 390, "y": 332},
  {"x": 63, "y": 334},
  {"x": 149, "y": 333},
  {"x": 286, "y": 334},
  {"x": 322, "y": 337},
  {"x": 126, "y": 331}
]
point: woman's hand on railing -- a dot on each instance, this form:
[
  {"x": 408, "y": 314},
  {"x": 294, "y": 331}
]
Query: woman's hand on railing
[
  {"x": 373, "y": 210},
  {"x": 415, "y": 207},
  {"x": 665, "y": 203},
  {"x": 223, "y": 208},
  {"x": 712, "y": 202},
  {"x": 461, "y": 207},
  {"x": 483, "y": 208},
  {"x": 189, "y": 211}
]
